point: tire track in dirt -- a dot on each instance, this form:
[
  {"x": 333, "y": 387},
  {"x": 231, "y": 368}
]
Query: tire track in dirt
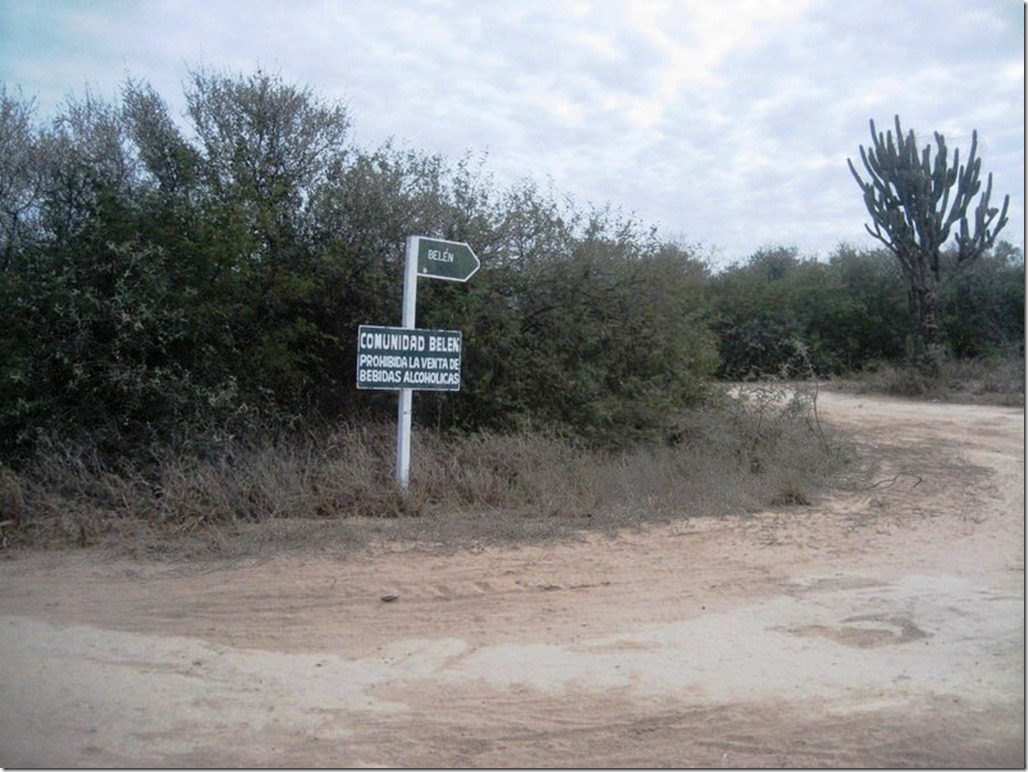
[{"x": 880, "y": 627}]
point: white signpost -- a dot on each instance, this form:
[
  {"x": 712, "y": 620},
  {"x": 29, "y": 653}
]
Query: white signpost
[{"x": 394, "y": 358}]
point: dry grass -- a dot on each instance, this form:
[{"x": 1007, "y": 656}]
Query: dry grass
[
  {"x": 993, "y": 381},
  {"x": 334, "y": 489}
]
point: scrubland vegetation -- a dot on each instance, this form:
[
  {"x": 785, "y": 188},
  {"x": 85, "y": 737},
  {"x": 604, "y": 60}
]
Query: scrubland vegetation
[
  {"x": 757, "y": 449},
  {"x": 179, "y": 302}
]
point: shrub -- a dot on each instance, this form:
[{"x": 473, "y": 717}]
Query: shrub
[{"x": 762, "y": 447}]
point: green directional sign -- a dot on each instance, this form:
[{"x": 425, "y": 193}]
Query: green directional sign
[{"x": 450, "y": 260}]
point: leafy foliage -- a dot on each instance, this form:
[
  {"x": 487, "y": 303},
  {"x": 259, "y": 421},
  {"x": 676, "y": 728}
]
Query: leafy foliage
[
  {"x": 982, "y": 305},
  {"x": 160, "y": 281},
  {"x": 782, "y": 315},
  {"x": 197, "y": 277}
]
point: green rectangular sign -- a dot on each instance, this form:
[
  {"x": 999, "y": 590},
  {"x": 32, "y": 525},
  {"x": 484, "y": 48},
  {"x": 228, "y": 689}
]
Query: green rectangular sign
[
  {"x": 450, "y": 260},
  {"x": 402, "y": 358}
]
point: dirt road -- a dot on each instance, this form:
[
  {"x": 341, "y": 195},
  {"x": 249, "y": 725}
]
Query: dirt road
[{"x": 882, "y": 627}]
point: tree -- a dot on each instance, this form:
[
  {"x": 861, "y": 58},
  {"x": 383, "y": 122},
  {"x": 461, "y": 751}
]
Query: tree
[
  {"x": 20, "y": 176},
  {"x": 872, "y": 307},
  {"x": 265, "y": 144},
  {"x": 201, "y": 282},
  {"x": 772, "y": 315},
  {"x": 908, "y": 196},
  {"x": 263, "y": 147},
  {"x": 981, "y": 309}
]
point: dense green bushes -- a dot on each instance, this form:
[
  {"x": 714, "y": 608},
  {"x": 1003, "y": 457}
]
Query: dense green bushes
[
  {"x": 158, "y": 282},
  {"x": 780, "y": 314},
  {"x": 196, "y": 277}
]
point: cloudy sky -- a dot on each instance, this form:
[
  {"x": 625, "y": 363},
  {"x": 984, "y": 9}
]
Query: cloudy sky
[{"x": 722, "y": 122}]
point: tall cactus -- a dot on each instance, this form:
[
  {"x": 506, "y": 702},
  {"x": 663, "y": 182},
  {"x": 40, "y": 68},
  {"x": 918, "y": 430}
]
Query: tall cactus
[{"x": 908, "y": 197}]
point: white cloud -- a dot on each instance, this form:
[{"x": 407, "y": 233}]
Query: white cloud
[{"x": 729, "y": 122}]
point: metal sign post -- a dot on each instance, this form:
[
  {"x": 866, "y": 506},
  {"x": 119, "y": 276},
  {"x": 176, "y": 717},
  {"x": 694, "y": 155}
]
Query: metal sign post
[
  {"x": 432, "y": 259},
  {"x": 406, "y": 404}
]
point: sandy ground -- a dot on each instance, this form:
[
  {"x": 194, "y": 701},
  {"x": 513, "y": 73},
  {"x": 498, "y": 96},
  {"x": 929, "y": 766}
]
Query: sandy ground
[{"x": 881, "y": 627}]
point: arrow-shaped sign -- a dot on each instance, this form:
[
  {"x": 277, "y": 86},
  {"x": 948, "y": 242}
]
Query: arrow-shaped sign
[{"x": 450, "y": 260}]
